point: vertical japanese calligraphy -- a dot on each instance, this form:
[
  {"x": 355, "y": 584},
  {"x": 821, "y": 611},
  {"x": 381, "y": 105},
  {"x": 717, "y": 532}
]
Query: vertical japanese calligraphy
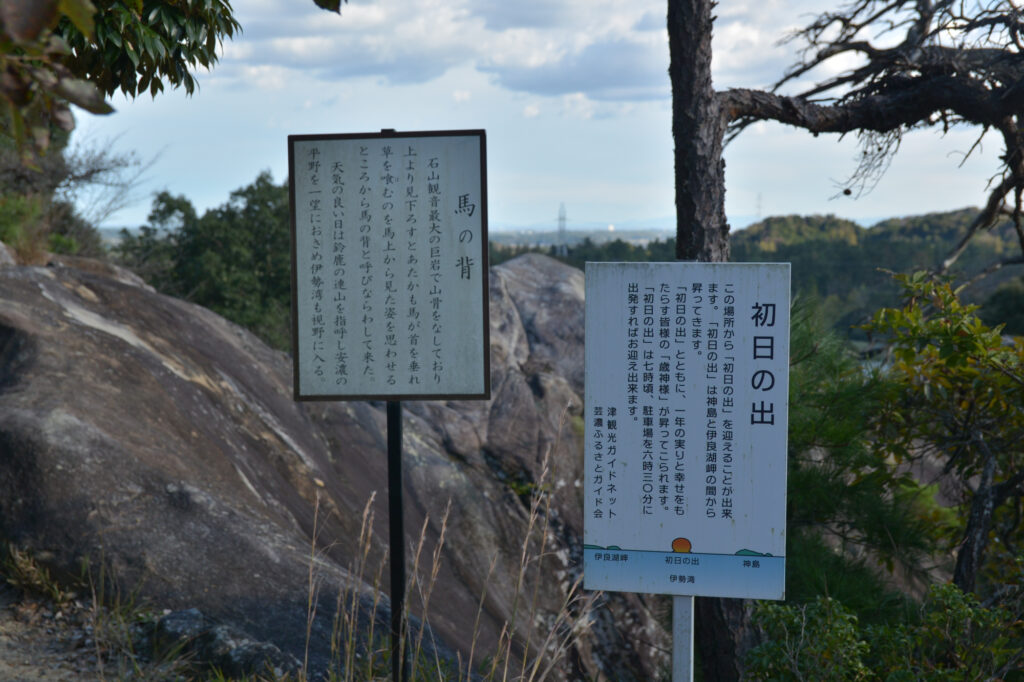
[
  {"x": 686, "y": 415},
  {"x": 390, "y": 254},
  {"x": 315, "y": 315}
]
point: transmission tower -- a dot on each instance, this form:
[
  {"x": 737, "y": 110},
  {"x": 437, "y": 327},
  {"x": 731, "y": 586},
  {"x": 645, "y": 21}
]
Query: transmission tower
[{"x": 562, "y": 247}]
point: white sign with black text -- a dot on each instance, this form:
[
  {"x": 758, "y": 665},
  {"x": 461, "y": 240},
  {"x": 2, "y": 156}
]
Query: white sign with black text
[
  {"x": 687, "y": 380},
  {"x": 390, "y": 265}
]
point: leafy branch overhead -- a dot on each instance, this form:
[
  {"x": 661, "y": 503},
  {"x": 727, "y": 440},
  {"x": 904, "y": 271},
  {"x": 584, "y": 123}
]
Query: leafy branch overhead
[
  {"x": 59, "y": 52},
  {"x": 138, "y": 46},
  {"x": 36, "y": 85}
]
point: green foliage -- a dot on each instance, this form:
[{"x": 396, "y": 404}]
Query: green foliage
[
  {"x": 69, "y": 233},
  {"x": 950, "y": 364},
  {"x": 1006, "y": 306},
  {"x": 17, "y": 212},
  {"x": 21, "y": 226},
  {"x": 772, "y": 233},
  {"x": 138, "y": 45},
  {"x": 834, "y": 260},
  {"x": 851, "y": 517},
  {"x": 36, "y": 84},
  {"x": 956, "y": 638},
  {"x": 56, "y": 52},
  {"x": 816, "y": 641},
  {"x": 958, "y": 396},
  {"x": 847, "y": 266},
  {"x": 234, "y": 259},
  {"x": 953, "y": 637},
  {"x": 36, "y": 209}
]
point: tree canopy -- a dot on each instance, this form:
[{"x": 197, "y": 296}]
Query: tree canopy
[
  {"x": 234, "y": 259},
  {"x": 59, "y": 52},
  {"x": 959, "y": 392}
]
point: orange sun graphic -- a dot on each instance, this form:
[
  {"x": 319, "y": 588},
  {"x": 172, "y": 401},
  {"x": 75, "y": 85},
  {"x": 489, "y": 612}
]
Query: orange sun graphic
[{"x": 681, "y": 545}]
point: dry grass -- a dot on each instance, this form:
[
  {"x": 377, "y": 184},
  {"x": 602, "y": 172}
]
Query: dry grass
[
  {"x": 361, "y": 653},
  {"x": 533, "y": 644}
]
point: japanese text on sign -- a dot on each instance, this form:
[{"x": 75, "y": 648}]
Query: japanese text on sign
[
  {"x": 686, "y": 415},
  {"x": 390, "y": 281}
]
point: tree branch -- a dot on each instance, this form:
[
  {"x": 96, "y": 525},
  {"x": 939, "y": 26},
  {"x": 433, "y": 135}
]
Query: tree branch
[
  {"x": 906, "y": 101},
  {"x": 991, "y": 211}
]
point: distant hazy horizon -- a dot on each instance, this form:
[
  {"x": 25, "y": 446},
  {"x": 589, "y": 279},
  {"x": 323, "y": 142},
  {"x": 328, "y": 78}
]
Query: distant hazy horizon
[{"x": 664, "y": 224}]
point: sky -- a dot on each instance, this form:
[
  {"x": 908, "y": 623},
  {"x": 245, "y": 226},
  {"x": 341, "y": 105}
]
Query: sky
[{"x": 573, "y": 94}]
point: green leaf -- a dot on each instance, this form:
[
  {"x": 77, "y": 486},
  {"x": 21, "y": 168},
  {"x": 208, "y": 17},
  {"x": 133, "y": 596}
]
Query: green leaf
[
  {"x": 330, "y": 5},
  {"x": 133, "y": 56},
  {"x": 114, "y": 37},
  {"x": 81, "y": 13}
]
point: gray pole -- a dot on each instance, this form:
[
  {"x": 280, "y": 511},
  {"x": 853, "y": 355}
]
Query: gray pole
[{"x": 682, "y": 639}]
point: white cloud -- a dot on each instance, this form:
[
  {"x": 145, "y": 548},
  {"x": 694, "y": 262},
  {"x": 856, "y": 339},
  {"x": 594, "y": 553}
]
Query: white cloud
[
  {"x": 614, "y": 69},
  {"x": 606, "y": 49},
  {"x": 501, "y": 15},
  {"x": 265, "y": 77},
  {"x": 549, "y": 47},
  {"x": 651, "y": 21},
  {"x": 574, "y": 96},
  {"x": 577, "y": 105},
  {"x": 302, "y": 50}
]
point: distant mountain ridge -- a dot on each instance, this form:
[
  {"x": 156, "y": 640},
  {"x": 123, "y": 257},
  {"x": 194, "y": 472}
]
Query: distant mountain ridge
[
  {"x": 835, "y": 260},
  {"x": 847, "y": 266},
  {"x": 775, "y": 231}
]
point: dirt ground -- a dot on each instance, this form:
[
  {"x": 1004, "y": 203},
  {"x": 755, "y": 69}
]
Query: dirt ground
[{"x": 39, "y": 642}]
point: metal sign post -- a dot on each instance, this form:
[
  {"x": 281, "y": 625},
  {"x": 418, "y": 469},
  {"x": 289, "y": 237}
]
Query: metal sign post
[
  {"x": 396, "y": 534},
  {"x": 389, "y": 286},
  {"x": 682, "y": 639}
]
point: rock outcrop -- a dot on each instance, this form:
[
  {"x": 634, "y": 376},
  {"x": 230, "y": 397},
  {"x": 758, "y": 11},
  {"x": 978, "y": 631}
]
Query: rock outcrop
[{"x": 152, "y": 437}]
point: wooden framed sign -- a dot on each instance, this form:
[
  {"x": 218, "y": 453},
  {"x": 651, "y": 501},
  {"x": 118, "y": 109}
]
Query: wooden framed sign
[
  {"x": 389, "y": 265},
  {"x": 687, "y": 391}
]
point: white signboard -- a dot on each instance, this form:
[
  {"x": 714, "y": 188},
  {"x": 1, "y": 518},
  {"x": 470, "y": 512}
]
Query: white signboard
[
  {"x": 389, "y": 265},
  {"x": 687, "y": 373}
]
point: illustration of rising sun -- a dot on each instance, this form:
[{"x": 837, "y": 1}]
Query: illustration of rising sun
[{"x": 681, "y": 545}]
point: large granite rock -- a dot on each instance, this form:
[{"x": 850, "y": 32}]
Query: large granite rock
[{"x": 153, "y": 437}]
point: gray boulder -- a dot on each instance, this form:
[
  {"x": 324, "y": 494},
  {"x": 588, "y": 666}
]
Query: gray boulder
[{"x": 152, "y": 437}]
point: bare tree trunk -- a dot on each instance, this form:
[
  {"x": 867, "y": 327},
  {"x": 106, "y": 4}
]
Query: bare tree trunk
[
  {"x": 724, "y": 634},
  {"x": 723, "y": 629},
  {"x": 698, "y": 126}
]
